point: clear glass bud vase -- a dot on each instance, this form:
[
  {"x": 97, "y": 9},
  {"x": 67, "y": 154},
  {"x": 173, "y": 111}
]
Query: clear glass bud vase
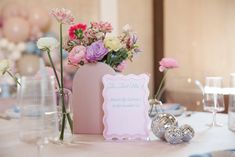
[
  {"x": 67, "y": 132},
  {"x": 155, "y": 107}
]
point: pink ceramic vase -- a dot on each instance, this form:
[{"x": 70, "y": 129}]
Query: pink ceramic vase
[{"x": 87, "y": 98}]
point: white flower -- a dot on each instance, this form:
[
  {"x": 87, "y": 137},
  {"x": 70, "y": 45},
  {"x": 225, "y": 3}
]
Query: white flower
[
  {"x": 47, "y": 43},
  {"x": 4, "y": 66},
  {"x": 127, "y": 28}
]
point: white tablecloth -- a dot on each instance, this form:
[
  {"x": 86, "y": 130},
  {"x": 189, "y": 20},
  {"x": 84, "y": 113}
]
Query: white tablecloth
[{"x": 205, "y": 140}]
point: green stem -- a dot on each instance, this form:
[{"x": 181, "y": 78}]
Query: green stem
[
  {"x": 61, "y": 58},
  {"x": 64, "y": 113},
  {"x": 160, "y": 86},
  {"x": 15, "y": 79},
  {"x": 53, "y": 67}
]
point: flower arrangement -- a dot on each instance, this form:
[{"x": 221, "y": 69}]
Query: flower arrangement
[
  {"x": 88, "y": 44},
  {"x": 164, "y": 65},
  {"x": 91, "y": 44}
]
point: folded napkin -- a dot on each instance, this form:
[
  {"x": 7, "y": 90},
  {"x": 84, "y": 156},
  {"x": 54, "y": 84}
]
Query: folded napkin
[{"x": 223, "y": 153}]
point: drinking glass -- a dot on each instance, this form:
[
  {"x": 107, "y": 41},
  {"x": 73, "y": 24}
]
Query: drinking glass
[
  {"x": 231, "y": 107},
  {"x": 213, "y": 97},
  {"x": 32, "y": 112}
]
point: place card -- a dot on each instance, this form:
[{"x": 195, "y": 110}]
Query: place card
[{"x": 126, "y": 107}]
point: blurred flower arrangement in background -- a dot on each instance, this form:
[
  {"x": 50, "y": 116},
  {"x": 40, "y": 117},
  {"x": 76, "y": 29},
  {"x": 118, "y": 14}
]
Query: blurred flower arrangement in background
[
  {"x": 5, "y": 69},
  {"x": 90, "y": 44}
]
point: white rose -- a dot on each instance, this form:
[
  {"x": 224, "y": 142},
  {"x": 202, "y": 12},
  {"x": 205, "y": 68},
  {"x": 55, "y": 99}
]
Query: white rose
[
  {"x": 4, "y": 66},
  {"x": 47, "y": 43}
]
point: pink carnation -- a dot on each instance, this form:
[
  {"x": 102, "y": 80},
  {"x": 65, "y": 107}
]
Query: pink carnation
[
  {"x": 77, "y": 55},
  {"x": 76, "y": 31},
  {"x": 167, "y": 63}
]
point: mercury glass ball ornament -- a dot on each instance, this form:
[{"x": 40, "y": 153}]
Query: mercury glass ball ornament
[
  {"x": 188, "y": 132},
  {"x": 161, "y": 122},
  {"x": 174, "y": 135}
]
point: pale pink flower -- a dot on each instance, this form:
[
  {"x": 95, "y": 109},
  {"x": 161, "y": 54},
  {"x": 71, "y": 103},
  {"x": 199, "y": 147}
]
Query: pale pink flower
[
  {"x": 77, "y": 55},
  {"x": 121, "y": 66},
  {"x": 167, "y": 63},
  {"x": 102, "y": 26},
  {"x": 63, "y": 16}
]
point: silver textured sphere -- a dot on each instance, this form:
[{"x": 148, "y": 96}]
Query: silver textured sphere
[
  {"x": 161, "y": 122},
  {"x": 188, "y": 132},
  {"x": 173, "y": 135}
]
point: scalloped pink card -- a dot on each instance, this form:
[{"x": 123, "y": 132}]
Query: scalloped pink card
[{"x": 126, "y": 107}]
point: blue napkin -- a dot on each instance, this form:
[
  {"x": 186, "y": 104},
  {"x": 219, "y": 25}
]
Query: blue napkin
[{"x": 223, "y": 153}]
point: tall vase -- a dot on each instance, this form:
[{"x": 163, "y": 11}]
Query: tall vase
[{"x": 87, "y": 98}]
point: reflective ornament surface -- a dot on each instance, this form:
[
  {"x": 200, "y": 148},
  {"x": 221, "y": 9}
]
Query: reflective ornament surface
[
  {"x": 161, "y": 122},
  {"x": 174, "y": 135},
  {"x": 187, "y": 132}
]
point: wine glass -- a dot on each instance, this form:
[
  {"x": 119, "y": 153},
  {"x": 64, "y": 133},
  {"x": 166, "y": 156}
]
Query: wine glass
[
  {"x": 32, "y": 113},
  {"x": 213, "y": 97}
]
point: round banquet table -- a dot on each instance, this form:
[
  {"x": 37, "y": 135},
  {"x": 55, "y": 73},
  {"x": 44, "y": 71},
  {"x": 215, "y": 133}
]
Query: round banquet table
[{"x": 205, "y": 140}]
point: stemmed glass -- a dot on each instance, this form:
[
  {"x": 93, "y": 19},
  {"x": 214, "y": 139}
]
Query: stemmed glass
[
  {"x": 32, "y": 113},
  {"x": 213, "y": 97}
]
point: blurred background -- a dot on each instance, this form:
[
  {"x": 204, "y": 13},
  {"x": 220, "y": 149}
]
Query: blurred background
[{"x": 199, "y": 34}]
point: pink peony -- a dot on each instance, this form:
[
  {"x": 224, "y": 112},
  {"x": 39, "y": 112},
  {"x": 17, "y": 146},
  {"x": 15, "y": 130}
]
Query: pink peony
[
  {"x": 77, "y": 55},
  {"x": 121, "y": 66},
  {"x": 167, "y": 63}
]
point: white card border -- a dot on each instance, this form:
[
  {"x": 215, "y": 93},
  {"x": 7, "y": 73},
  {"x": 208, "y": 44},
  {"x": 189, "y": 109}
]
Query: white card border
[{"x": 145, "y": 114}]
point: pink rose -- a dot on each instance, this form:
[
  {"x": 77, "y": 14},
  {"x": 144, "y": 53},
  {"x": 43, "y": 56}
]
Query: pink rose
[
  {"x": 77, "y": 55},
  {"x": 167, "y": 63},
  {"x": 121, "y": 66}
]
